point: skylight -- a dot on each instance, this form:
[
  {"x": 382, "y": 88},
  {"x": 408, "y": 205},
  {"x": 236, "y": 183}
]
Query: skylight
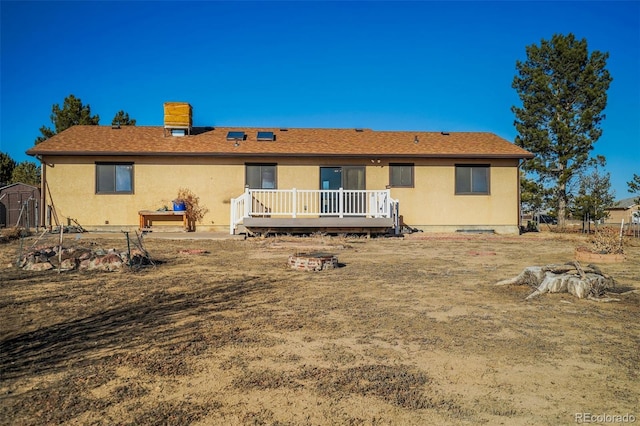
[
  {"x": 234, "y": 136},
  {"x": 265, "y": 136}
]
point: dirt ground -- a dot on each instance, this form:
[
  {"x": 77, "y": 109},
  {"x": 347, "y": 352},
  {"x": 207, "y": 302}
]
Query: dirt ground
[{"x": 406, "y": 331}]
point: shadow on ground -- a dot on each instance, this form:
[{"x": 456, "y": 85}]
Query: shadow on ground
[{"x": 158, "y": 317}]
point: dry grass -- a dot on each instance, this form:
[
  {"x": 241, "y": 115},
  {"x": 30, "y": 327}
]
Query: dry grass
[{"x": 407, "y": 331}]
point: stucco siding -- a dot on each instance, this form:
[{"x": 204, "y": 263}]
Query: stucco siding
[
  {"x": 617, "y": 216},
  {"x": 433, "y": 204},
  {"x": 430, "y": 205},
  {"x": 156, "y": 184}
]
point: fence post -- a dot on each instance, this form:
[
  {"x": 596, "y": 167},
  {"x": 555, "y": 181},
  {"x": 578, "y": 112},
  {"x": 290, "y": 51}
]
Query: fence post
[{"x": 341, "y": 202}]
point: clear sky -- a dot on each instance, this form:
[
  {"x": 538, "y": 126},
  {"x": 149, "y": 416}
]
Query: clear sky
[{"x": 421, "y": 65}]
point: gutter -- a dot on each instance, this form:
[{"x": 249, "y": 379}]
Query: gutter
[{"x": 519, "y": 209}]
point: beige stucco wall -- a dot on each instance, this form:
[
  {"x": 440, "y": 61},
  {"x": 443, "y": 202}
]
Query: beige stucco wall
[
  {"x": 431, "y": 205},
  {"x": 618, "y": 215}
]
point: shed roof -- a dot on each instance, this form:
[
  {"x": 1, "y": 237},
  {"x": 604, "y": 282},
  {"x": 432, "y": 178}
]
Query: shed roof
[
  {"x": 210, "y": 141},
  {"x": 17, "y": 184}
]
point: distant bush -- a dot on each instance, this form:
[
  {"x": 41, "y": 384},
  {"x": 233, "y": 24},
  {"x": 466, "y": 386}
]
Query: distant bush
[
  {"x": 605, "y": 241},
  {"x": 10, "y": 234}
]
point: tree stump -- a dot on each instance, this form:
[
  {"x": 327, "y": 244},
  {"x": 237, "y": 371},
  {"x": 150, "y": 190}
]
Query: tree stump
[{"x": 583, "y": 282}]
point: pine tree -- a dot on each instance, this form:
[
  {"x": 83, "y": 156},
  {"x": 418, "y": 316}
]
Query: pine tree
[
  {"x": 122, "y": 119},
  {"x": 26, "y": 172},
  {"x": 594, "y": 195},
  {"x": 7, "y": 164},
  {"x": 634, "y": 188},
  {"x": 73, "y": 112},
  {"x": 563, "y": 90}
]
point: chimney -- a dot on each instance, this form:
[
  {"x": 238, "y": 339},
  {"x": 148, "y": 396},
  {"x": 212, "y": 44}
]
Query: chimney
[{"x": 177, "y": 118}]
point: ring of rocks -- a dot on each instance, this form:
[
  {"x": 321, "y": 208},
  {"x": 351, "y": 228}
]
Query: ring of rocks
[{"x": 312, "y": 261}]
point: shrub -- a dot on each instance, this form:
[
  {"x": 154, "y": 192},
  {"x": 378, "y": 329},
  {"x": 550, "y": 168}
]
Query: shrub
[
  {"x": 195, "y": 212},
  {"x": 605, "y": 241},
  {"x": 14, "y": 233}
]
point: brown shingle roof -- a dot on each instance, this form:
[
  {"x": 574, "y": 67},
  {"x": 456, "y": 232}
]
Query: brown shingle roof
[{"x": 139, "y": 140}]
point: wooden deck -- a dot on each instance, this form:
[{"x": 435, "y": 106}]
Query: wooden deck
[
  {"x": 356, "y": 225},
  {"x": 296, "y": 211}
]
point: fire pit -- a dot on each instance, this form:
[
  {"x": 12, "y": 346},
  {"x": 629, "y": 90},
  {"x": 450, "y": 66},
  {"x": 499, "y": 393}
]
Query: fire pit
[{"x": 313, "y": 261}]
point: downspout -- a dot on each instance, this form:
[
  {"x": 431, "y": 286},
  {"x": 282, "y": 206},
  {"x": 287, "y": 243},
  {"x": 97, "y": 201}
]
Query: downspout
[
  {"x": 520, "y": 163},
  {"x": 43, "y": 192}
]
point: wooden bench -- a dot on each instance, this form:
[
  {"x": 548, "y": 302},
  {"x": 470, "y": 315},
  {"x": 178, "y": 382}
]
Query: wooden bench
[{"x": 147, "y": 217}]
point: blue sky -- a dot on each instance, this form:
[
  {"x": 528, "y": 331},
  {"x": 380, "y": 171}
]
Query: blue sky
[{"x": 428, "y": 66}]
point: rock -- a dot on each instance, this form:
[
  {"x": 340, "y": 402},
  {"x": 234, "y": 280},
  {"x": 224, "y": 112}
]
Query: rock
[
  {"x": 84, "y": 264},
  {"x": 80, "y": 258},
  {"x": 108, "y": 262},
  {"x": 84, "y": 256},
  {"x": 68, "y": 264},
  {"x": 44, "y": 266}
]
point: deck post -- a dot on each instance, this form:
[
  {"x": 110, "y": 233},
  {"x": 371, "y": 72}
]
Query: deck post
[
  {"x": 396, "y": 217},
  {"x": 294, "y": 196},
  {"x": 341, "y": 202},
  {"x": 232, "y": 216},
  {"x": 247, "y": 202},
  {"x": 388, "y": 206}
]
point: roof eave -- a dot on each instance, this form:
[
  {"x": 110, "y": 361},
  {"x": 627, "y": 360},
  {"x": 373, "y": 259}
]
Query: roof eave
[{"x": 270, "y": 154}]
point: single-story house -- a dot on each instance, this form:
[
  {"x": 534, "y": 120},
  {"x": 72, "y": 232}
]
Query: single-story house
[
  {"x": 624, "y": 209},
  {"x": 283, "y": 178}
]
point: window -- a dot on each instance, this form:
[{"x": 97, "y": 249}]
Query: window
[
  {"x": 401, "y": 175},
  {"x": 472, "y": 179},
  {"x": 114, "y": 178},
  {"x": 261, "y": 176}
]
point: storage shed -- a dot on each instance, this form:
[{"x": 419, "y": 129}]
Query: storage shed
[{"x": 19, "y": 206}]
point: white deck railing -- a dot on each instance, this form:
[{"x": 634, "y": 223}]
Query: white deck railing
[{"x": 296, "y": 203}]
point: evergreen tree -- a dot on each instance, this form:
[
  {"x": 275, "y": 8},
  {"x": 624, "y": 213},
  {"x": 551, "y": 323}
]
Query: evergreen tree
[
  {"x": 634, "y": 188},
  {"x": 563, "y": 90},
  {"x": 73, "y": 112},
  {"x": 594, "y": 195},
  {"x": 122, "y": 119},
  {"x": 7, "y": 164},
  {"x": 533, "y": 196},
  {"x": 26, "y": 172}
]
